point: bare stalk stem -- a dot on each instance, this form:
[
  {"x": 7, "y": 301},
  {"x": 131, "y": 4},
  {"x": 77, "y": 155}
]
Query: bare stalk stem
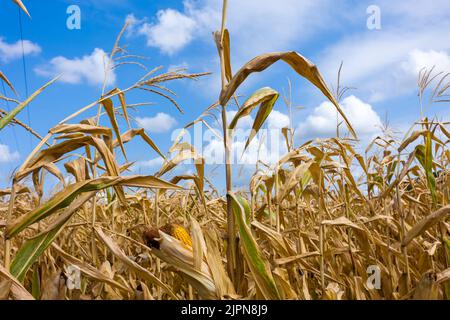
[{"x": 231, "y": 232}]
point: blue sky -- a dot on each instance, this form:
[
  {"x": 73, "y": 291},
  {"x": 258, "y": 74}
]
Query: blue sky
[{"x": 382, "y": 64}]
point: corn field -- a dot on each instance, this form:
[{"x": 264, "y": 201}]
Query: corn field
[{"x": 323, "y": 222}]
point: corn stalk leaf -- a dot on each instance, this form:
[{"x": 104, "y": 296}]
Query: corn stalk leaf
[
  {"x": 266, "y": 98},
  {"x": 30, "y": 252},
  {"x": 176, "y": 254},
  {"x": 198, "y": 243},
  {"x": 55, "y": 152},
  {"x": 186, "y": 152},
  {"x": 5, "y": 79},
  {"x": 17, "y": 289},
  {"x": 224, "y": 46},
  {"x": 10, "y": 116},
  {"x": 35, "y": 247},
  {"x": 22, "y": 6},
  {"x": 300, "y": 175},
  {"x": 221, "y": 280},
  {"x": 300, "y": 64},
  {"x": 246, "y": 206},
  {"x": 129, "y": 135},
  {"x": 36, "y": 283},
  {"x": 117, "y": 251},
  {"x": 425, "y": 224},
  {"x": 257, "y": 263},
  {"x": 69, "y": 194},
  {"x": 109, "y": 108},
  {"x": 89, "y": 271},
  {"x": 424, "y": 154},
  {"x": 81, "y": 128},
  {"x": 197, "y": 182},
  {"x": 122, "y": 103},
  {"x": 340, "y": 222}
]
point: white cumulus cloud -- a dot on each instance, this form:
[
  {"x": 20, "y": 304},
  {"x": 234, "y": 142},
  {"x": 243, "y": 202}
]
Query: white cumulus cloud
[
  {"x": 322, "y": 122},
  {"x": 89, "y": 68},
  {"x": 269, "y": 25},
  {"x": 6, "y": 155},
  {"x": 160, "y": 123},
  {"x": 277, "y": 120},
  {"x": 13, "y": 51},
  {"x": 172, "y": 31},
  {"x": 419, "y": 59},
  {"x": 403, "y": 76},
  {"x": 385, "y": 64}
]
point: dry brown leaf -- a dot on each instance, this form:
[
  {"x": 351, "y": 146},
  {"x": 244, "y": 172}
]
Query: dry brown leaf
[
  {"x": 425, "y": 224},
  {"x": 118, "y": 252},
  {"x": 300, "y": 64},
  {"x": 18, "y": 292}
]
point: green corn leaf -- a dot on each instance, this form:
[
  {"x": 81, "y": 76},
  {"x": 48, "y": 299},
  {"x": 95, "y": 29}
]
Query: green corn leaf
[
  {"x": 425, "y": 156},
  {"x": 257, "y": 263},
  {"x": 70, "y": 193},
  {"x": 30, "y": 252},
  {"x": 246, "y": 206},
  {"x": 36, "y": 284},
  {"x": 35, "y": 247},
  {"x": 10, "y": 116},
  {"x": 265, "y": 98}
]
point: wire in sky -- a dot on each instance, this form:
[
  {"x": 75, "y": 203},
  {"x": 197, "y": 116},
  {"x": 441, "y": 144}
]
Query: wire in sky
[{"x": 25, "y": 75}]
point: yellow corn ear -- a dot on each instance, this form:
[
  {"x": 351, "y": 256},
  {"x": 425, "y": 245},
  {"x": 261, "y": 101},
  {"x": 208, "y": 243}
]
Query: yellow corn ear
[{"x": 178, "y": 232}]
